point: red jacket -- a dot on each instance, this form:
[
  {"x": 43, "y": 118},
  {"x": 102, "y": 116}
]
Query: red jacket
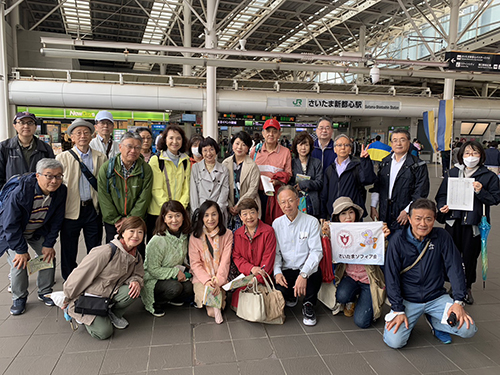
[{"x": 260, "y": 252}]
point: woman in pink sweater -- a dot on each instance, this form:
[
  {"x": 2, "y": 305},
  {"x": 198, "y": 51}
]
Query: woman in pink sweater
[{"x": 210, "y": 255}]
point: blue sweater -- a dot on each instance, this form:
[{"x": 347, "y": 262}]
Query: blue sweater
[{"x": 327, "y": 156}]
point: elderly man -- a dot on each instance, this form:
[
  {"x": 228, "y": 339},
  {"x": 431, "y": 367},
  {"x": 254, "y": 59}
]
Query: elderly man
[
  {"x": 346, "y": 177},
  {"x": 19, "y": 155},
  {"x": 103, "y": 142},
  {"x": 401, "y": 179},
  {"x": 32, "y": 213},
  {"x": 81, "y": 166},
  {"x": 323, "y": 146},
  {"x": 124, "y": 185},
  {"x": 298, "y": 253},
  {"x": 418, "y": 259}
]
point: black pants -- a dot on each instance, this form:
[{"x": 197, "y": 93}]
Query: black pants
[
  {"x": 150, "y": 224},
  {"x": 312, "y": 289},
  {"x": 469, "y": 247},
  {"x": 111, "y": 233},
  {"x": 172, "y": 290},
  {"x": 91, "y": 223}
]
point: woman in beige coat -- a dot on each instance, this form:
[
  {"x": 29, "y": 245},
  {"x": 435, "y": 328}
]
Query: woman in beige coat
[
  {"x": 115, "y": 270},
  {"x": 244, "y": 177}
]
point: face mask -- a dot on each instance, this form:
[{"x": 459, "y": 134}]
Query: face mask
[
  {"x": 194, "y": 151},
  {"x": 471, "y": 161}
]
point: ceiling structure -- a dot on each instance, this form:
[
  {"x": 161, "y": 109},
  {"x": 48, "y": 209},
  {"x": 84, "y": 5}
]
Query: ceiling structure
[{"x": 298, "y": 26}]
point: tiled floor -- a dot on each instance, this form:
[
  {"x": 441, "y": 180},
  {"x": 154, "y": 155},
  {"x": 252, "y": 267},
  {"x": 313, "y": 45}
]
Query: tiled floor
[{"x": 186, "y": 341}]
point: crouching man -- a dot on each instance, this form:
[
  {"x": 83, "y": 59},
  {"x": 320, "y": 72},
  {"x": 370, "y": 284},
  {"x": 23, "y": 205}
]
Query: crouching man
[{"x": 418, "y": 257}]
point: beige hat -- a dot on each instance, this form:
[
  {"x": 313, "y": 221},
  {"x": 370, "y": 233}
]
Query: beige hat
[
  {"x": 342, "y": 203},
  {"x": 80, "y": 122}
]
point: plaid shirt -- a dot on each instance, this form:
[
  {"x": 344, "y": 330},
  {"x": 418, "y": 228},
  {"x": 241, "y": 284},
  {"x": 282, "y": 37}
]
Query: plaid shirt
[{"x": 127, "y": 172}]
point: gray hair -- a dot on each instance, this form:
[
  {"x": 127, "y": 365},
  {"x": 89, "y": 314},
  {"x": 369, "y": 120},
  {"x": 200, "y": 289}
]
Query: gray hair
[
  {"x": 48, "y": 164},
  {"x": 324, "y": 118},
  {"x": 341, "y": 136},
  {"x": 288, "y": 187},
  {"x": 130, "y": 135}
]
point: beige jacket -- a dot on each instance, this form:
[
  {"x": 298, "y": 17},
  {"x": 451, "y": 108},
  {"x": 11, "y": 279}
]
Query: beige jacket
[
  {"x": 377, "y": 285},
  {"x": 99, "y": 276},
  {"x": 72, "y": 173},
  {"x": 249, "y": 181}
]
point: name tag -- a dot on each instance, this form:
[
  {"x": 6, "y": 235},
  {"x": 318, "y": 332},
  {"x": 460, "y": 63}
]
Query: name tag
[{"x": 303, "y": 235}]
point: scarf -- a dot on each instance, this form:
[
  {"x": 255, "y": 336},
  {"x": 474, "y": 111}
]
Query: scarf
[{"x": 210, "y": 261}]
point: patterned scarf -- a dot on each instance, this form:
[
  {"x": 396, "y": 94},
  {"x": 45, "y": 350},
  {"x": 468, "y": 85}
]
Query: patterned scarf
[{"x": 210, "y": 261}]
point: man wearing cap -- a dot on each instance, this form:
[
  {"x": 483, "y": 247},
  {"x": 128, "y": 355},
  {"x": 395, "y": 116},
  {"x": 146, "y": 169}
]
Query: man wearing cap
[
  {"x": 81, "y": 166},
  {"x": 275, "y": 162},
  {"x": 103, "y": 142},
  {"x": 323, "y": 146},
  {"x": 19, "y": 154}
]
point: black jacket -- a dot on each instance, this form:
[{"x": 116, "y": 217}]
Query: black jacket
[
  {"x": 492, "y": 157},
  {"x": 351, "y": 183},
  {"x": 412, "y": 182},
  {"x": 12, "y": 160},
  {"x": 312, "y": 186},
  {"x": 425, "y": 281},
  {"x": 16, "y": 211},
  {"x": 488, "y": 196}
]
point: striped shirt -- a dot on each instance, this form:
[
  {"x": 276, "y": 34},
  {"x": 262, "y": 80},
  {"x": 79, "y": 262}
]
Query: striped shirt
[
  {"x": 41, "y": 204},
  {"x": 272, "y": 162}
]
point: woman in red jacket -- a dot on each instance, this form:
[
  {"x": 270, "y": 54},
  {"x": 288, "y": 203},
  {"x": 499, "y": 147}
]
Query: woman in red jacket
[{"x": 254, "y": 245}]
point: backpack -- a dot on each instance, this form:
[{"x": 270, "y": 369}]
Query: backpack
[
  {"x": 9, "y": 186},
  {"x": 111, "y": 176}
]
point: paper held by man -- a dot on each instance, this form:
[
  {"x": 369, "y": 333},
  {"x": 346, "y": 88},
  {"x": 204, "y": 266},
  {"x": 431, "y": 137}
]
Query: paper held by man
[{"x": 358, "y": 243}]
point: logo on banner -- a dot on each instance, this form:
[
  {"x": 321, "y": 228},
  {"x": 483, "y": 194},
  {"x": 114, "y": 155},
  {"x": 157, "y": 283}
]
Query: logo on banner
[
  {"x": 344, "y": 239},
  {"x": 369, "y": 240}
]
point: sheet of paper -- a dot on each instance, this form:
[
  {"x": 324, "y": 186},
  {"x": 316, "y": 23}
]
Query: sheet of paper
[
  {"x": 267, "y": 185},
  {"x": 238, "y": 282},
  {"x": 460, "y": 194},
  {"x": 210, "y": 300},
  {"x": 37, "y": 264}
]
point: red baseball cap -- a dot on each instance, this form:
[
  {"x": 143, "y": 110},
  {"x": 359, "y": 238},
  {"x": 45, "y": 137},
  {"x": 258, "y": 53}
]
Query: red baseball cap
[{"x": 272, "y": 123}]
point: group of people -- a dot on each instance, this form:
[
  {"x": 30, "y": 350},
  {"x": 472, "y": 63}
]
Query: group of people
[{"x": 178, "y": 222}]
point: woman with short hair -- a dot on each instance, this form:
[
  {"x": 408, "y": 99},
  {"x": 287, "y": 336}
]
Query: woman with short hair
[{"x": 147, "y": 142}]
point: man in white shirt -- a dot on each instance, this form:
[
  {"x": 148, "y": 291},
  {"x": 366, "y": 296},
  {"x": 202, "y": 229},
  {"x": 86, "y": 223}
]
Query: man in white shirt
[
  {"x": 103, "y": 141},
  {"x": 298, "y": 253},
  {"x": 401, "y": 180}
]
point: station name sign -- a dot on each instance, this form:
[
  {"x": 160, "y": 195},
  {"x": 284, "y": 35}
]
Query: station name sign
[
  {"x": 334, "y": 104},
  {"x": 472, "y": 61}
]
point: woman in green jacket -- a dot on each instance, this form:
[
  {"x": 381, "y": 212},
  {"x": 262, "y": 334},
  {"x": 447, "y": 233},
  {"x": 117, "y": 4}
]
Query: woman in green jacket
[{"x": 166, "y": 279}]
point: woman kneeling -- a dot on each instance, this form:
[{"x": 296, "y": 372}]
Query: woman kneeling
[
  {"x": 166, "y": 279},
  {"x": 115, "y": 270}
]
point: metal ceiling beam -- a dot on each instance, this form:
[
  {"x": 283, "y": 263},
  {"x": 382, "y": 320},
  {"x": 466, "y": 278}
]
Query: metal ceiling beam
[
  {"x": 47, "y": 15},
  {"x": 12, "y": 7}
]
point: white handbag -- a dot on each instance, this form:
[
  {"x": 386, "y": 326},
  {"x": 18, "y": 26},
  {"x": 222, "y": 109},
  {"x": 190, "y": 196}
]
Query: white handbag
[
  {"x": 251, "y": 304},
  {"x": 327, "y": 294}
]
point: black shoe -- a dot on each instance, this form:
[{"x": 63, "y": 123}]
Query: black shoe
[
  {"x": 469, "y": 300},
  {"x": 291, "y": 303},
  {"x": 18, "y": 306},
  {"x": 158, "y": 311},
  {"x": 309, "y": 315},
  {"x": 47, "y": 300}
]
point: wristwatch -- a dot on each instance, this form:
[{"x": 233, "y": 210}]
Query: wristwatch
[
  {"x": 304, "y": 275},
  {"x": 461, "y": 303}
]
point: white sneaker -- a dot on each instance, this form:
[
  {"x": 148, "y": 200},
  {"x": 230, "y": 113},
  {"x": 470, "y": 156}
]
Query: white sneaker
[
  {"x": 337, "y": 308},
  {"x": 118, "y": 323}
]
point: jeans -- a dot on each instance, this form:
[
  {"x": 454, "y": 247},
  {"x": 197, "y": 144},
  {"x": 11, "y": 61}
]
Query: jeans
[
  {"x": 313, "y": 284},
  {"x": 19, "y": 277},
  {"x": 91, "y": 223},
  {"x": 414, "y": 311},
  {"x": 348, "y": 290}
]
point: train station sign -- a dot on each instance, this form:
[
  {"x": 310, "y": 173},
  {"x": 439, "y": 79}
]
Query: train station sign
[{"x": 473, "y": 61}]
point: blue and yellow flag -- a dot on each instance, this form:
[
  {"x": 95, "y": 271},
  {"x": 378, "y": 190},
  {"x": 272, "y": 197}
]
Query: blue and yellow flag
[
  {"x": 378, "y": 150},
  {"x": 445, "y": 125},
  {"x": 429, "y": 129}
]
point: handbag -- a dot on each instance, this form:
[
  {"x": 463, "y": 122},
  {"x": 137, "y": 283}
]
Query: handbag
[
  {"x": 90, "y": 305},
  {"x": 327, "y": 294},
  {"x": 274, "y": 301},
  {"x": 251, "y": 305}
]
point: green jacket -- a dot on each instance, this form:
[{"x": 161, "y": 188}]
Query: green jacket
[
  {"x": 163, "y": 254},
  {"x": 122, "y": 198}
]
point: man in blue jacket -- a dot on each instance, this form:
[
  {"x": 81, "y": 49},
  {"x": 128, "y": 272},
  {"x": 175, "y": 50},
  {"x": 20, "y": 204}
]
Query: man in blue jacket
[
  {"x": 32, "y": 214},
  {"x": 323, "y": 146},
  {"x": 418, "y": 258}
]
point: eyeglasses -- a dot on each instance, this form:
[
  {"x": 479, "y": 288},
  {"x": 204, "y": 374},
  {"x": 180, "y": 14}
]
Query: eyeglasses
[
  {"x": 81, "y": 134},
  {"x": 400, "y": 140},
  {"x": 341, "y": 145},
  {"x": 290, "y": 201},
  {"x": 130, "y": 147},
  {"x": 50, "y": 177},
  {"x": 324, "y": 128},
  {"x": 28, "y": 123}
]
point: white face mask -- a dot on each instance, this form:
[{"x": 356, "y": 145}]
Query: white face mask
[
  {"x": 194, "y": 151},
  {"x": 471, "y": 161}
]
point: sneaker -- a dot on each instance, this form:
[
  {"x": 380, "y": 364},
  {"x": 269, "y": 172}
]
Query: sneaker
[
  {"x": 292, "y": 303},
  {"x": 18, "y": 306},
  {"x": 158, "y": 312},
  {"x": 444, "y": 337},
  {"x": 47, "y": 300},
  {"x": 118, "y": 323},
  {"x": 469, "y": 300},
  {"x": 309, "y": 315},
  {"x": 173, "y": 303},
  {"x": 337, "y": 308},
  {"x": 349, "y": 309},
  {"x": 9, "y": 288}
]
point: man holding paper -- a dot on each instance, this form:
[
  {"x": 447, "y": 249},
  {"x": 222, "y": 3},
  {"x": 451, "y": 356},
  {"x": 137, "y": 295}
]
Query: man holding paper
[
  {"x": 481, "y": 190},
  {"x": 298, "y": 253},
  {"x": 419, "y": 257}
]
